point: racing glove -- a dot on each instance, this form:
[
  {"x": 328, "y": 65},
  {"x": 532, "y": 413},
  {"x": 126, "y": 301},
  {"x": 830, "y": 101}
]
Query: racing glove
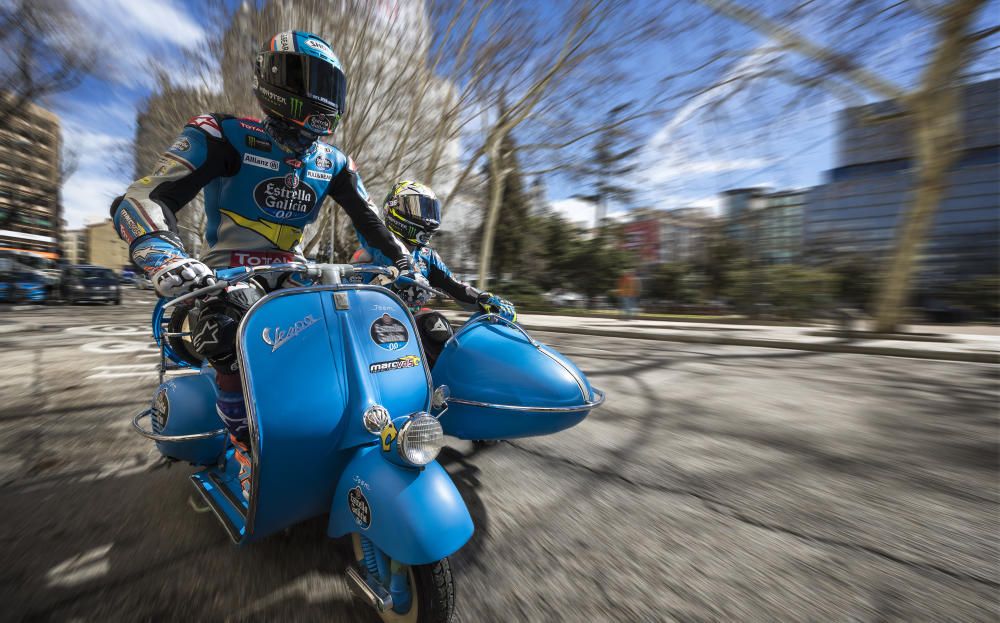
[
  {"x": 181, "y": 275},
  {"x": 492, "y": 304},
  {"x": 414, "y": 295}
]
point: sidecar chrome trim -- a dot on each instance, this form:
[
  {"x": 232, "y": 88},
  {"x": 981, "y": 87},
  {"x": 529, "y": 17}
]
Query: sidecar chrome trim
[
  {"x": 590, "y": 404},
  {"x": 241, "y": 336},
  {"x": 148, "y": 434}
]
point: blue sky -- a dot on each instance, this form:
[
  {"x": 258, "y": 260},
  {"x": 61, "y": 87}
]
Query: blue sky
[{"x": 687, "y": 157}]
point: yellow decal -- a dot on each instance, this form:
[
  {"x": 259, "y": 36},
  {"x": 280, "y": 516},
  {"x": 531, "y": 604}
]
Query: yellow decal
[
  {"x": 285, "y": 237},
  {"x": 145, "y": 181},
  {"x": 388, "y": 436}
]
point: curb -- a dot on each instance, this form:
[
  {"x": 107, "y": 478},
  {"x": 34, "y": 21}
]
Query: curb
[{"x": 822, "y": 347}]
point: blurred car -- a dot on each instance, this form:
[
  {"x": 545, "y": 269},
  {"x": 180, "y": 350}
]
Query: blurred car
[
  {"x": 142, "y": 282},
  {"x": 22, "y": 284},
  {"x": 565, "y": 298},
  {"x": 89, "y": 283},
  {"x": 126, "y": 276}
]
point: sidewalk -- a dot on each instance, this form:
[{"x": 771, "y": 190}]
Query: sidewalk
[{"x": 973, "y": 344}]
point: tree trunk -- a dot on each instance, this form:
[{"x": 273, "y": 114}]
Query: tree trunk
[
  {"x": 936, "y": 135},
  {"x": 497, "y": 175}
]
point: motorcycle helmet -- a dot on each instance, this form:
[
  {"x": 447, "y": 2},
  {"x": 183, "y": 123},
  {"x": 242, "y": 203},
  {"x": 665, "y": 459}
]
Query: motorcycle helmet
[
  {"x": 412, "y": 212},
  {"x": 299, "y": 80}
]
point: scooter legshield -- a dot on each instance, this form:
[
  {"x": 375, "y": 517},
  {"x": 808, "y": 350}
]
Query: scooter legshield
[{"x": 415, "y": 516}]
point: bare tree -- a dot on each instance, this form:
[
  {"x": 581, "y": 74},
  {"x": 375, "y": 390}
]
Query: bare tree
[
  {"x": 43, "y": 53},
  {"x": 860, "y": 29}
]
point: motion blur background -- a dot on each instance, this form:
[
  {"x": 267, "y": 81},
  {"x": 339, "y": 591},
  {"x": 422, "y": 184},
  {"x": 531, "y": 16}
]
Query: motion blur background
[{"x": 754, "y": 181}]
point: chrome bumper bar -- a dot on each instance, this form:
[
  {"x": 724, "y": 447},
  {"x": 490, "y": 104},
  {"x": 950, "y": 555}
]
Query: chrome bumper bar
[
  {"x": 148, "y": 434},
  {"x": 591, "y": 404}
]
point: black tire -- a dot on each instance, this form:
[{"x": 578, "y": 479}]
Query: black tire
[{"x": 434, "y": 595}]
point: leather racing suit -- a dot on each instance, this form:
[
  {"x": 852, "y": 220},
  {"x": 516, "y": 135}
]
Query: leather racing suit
[{"x": 258, "y": 200}]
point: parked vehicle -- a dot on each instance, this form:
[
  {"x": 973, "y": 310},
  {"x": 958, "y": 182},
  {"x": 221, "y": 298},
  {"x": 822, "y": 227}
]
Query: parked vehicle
[
  {"x": 359, "y": 437},
  {"x": 141, "y": 282},
  {"x": 127, "y": 275},
  {"x": 79, "y": 283},
  {"x": 565, "y": 298},
  {"x": 20, "y": 283}
]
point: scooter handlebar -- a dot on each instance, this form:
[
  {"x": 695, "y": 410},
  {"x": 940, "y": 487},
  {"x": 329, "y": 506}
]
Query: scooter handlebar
[{"x": 327, "y": 273}]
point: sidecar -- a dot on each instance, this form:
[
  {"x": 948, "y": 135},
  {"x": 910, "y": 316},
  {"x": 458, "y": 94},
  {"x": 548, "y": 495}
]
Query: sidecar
[{"x": 505, "y": 384}]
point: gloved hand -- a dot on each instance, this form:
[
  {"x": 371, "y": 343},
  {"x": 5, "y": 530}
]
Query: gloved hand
[
  {"x": 181, "y": 275},
  {"x": 413, "y": 295},
  {"x": 492, "y": 304},
  {"x": 385, "y": 280}
]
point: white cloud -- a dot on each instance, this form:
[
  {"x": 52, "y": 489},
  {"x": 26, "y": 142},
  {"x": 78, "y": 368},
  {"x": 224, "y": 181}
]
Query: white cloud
[
  {"x": 666, "y": 171},
  {"x": 580, "y": 211},
  {"x": 87, "y": 197},
  {"x": 161, "y": 21}
]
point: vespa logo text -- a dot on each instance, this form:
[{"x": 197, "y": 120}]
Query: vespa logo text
[{"x": 280, "y": 336}]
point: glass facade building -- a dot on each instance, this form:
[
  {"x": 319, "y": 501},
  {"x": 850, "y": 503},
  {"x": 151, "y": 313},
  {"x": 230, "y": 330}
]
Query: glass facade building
[{"x": 859, "y": 208}]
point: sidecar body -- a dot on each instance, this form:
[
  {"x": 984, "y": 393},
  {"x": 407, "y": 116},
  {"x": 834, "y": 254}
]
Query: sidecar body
[{"x": 504, "y": 384}]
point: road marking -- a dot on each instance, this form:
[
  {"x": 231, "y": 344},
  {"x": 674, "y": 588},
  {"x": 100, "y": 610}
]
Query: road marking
[
  {"x": 118, "y": 347},
  {"x": 81, "y": 568},
  {"x": 108, "y": 330},
  {"x": 314, "y": 587},
  {"x": 122, "y": 370}
]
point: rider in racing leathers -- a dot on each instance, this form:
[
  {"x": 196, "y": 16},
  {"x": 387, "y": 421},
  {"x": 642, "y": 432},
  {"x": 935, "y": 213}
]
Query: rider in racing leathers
[
  {"x": 412, "y": 212},
  {"x": 264, "y": 181}
]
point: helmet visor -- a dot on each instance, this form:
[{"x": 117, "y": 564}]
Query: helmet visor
[
  {"x": 317, "y": 79},
  {"x": 421, "y": 209}
]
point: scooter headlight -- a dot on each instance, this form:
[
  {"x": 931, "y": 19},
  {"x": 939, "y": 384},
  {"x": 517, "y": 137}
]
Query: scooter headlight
[{"x": 420, "y": 439}]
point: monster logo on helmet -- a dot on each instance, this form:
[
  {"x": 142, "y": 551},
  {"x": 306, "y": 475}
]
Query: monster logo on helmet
[
  {"x": 298, "y": 79},
  {"x": 412, "y": 211}
]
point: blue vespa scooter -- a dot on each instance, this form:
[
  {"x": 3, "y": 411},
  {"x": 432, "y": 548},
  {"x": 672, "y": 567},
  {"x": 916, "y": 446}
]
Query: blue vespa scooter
[{"x": 355, "y": 439}]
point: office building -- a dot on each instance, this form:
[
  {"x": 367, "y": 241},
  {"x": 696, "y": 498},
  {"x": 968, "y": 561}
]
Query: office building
[
  {"x": 776, "y": 226},
  {"x": 858, "y": 209},
  {"x": 74, "y": 246},
  {"x": 29, "y": 182},
  {"x": 683, "y": 235},
  {"x": 104, "y": 247}
]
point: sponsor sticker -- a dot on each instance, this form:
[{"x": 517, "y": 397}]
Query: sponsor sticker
[
  {"x": 249, "y": 126},
  {"x": 257, "y": 161},
  {"x": 296, "y": 107},
  {"x": 323, "y": 163},
  {"x": 319, "y": 123},
  {"x": 128, "y": 222},
  {"x": 181, "y": 144},
  {"x": 407, "y": 361},
  {"x": 292, "y": 180},
  {"x": 389, "y": 333},
  {"x": 319, "y": 45},
  {"x": 293, "y": 162},
  {"x": 319, "y": 175},
  {"x": 362, "y": 511},
  {"x": 277, "y": 199},
  {"x": 388, "y": 435},
  {"x": 259, "y": 258},
  {"x": 260, "y": 144}
]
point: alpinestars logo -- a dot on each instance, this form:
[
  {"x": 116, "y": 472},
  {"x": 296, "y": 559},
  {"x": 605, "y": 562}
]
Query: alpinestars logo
[
  {"x": 280, "y": 336},
  {"x": 207, "y": 124}
]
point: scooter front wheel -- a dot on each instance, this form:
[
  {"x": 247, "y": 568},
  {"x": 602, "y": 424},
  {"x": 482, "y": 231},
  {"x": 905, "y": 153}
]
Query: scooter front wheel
[{"x": 432, "y": 592}]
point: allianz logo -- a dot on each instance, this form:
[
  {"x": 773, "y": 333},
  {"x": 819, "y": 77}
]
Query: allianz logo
[{"x": 281, "y": 336}]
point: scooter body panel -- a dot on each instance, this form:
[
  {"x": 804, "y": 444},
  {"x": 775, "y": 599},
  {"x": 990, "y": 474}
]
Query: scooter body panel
[{"x": 416, "y": 516}]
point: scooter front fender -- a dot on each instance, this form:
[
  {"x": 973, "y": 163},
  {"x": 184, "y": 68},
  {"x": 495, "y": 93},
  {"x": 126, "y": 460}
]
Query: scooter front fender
[{"x": 415, "y": 516}]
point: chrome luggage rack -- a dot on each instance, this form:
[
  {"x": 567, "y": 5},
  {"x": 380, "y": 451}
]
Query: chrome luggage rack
[{"x": 148, "y": 434}]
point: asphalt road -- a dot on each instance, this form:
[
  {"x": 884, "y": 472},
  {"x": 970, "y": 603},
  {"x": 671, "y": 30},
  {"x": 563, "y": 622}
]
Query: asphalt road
[{"x": 717, "y": 484}]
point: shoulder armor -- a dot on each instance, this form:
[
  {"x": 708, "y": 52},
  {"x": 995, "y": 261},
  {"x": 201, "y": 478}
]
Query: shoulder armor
[{"x": 209, "y": 123}]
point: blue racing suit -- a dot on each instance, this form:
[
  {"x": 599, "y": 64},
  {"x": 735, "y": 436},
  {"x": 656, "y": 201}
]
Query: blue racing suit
[{"x": 258, "y": 200}]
